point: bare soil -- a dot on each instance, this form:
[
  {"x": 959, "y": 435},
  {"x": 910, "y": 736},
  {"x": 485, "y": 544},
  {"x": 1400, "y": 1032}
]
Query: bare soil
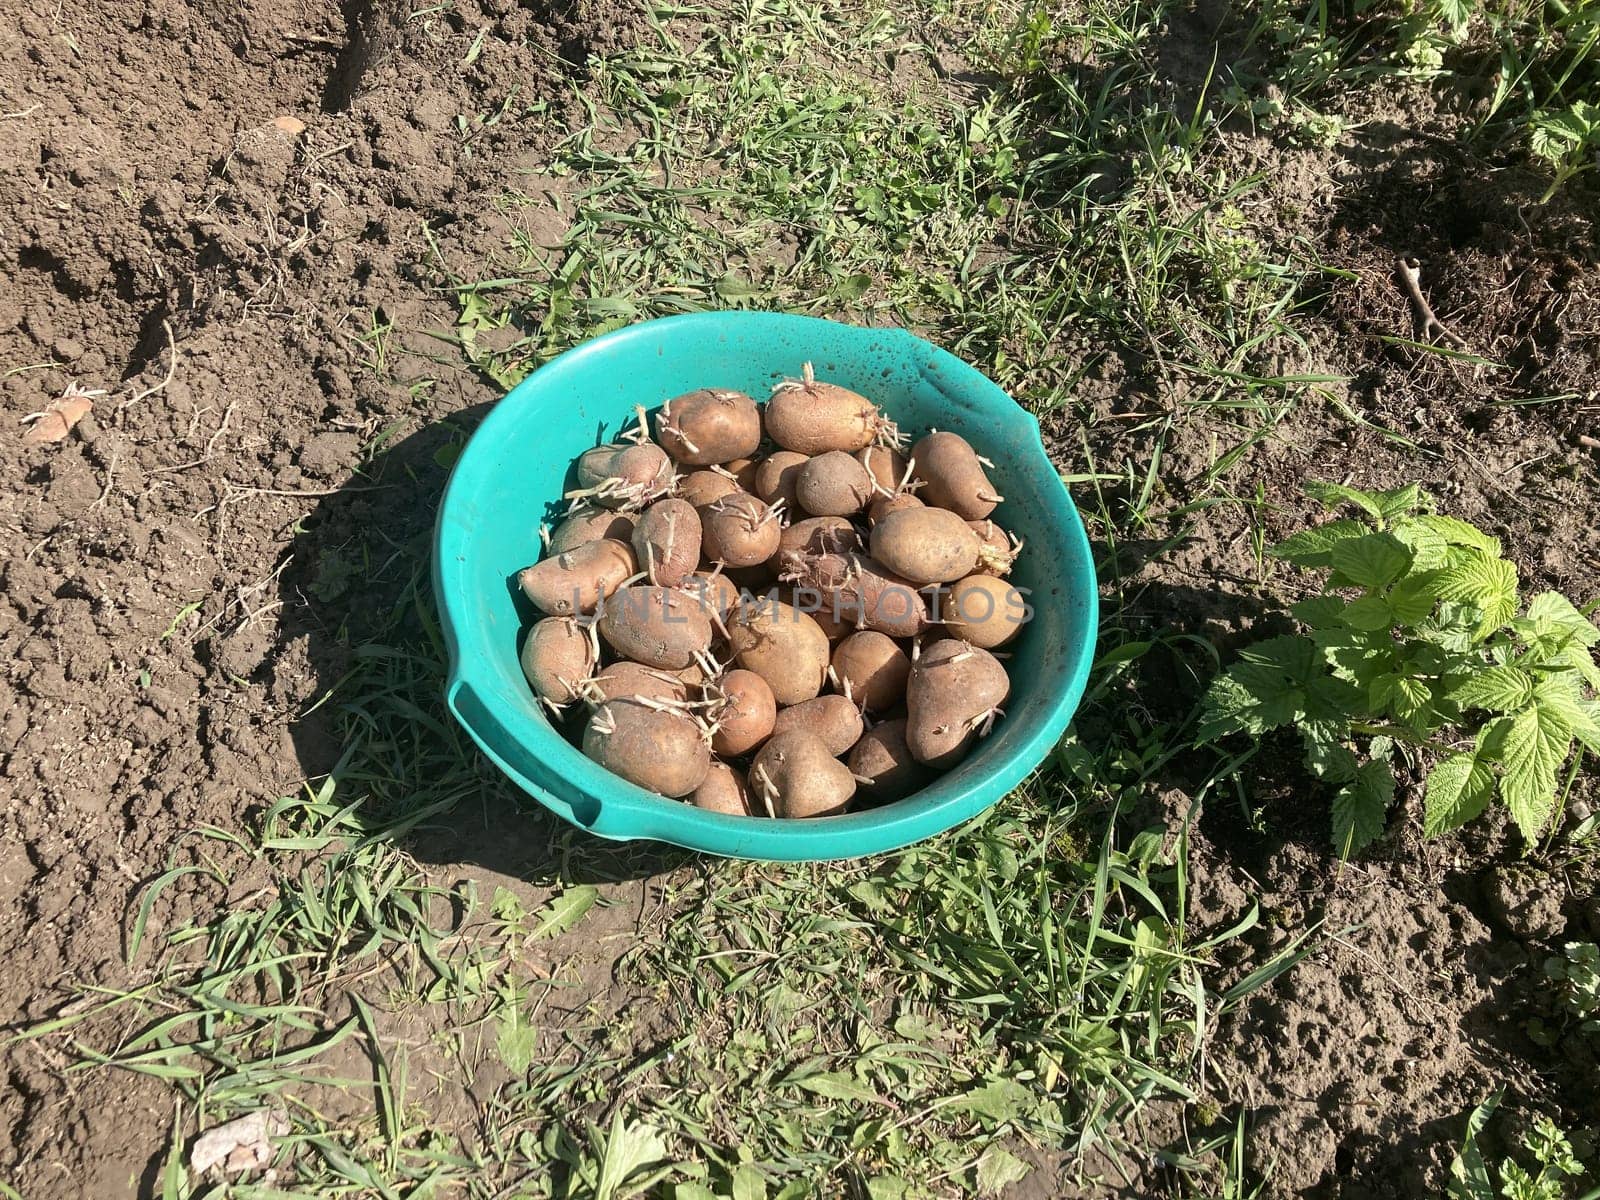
[
  {"x": 1362, "y": 1064},
  {"x": 228, "y": 277}
]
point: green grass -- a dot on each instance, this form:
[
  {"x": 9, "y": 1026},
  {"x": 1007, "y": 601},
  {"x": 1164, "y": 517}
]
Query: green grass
[
  {"x": 1522, "y": 75},
  {"x": 935, "y": 1022}
]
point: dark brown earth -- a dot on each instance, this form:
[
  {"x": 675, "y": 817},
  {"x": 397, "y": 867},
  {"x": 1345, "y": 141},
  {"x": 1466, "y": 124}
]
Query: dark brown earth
[
  {"x": 228, "y": 282},
  {"x": 220, "y": 277}
]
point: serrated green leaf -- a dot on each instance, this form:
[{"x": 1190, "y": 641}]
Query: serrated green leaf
[
  {"x": 1551, "y": 611},
  {"x": 1488, "y": 584},
  {"x": 1318, "y": 611},
  {"x": 1373, "y": 561},
  {"x": 1460, "y": 533},
  {"x": 1456, "y": 12},
  {"x": 1360, "y": 808},
  {"x": 1264, "y": 690},
  {"x": 1331, "y": 495},
  {"x": 1458, "y": 789},
  {"x": 1562, "y": 694},
  {"x": 1314, "y": 547},
  {"x": 1230, "y": 707},
  {"x": 1490, "y": 741},
  {"x": 1398, "y": 502},
  {"x": 1406, "y": 698},
  {"x": 1330, "y": 761},
  {"x": 1589, "y": 732},
  {"x": 1580, "y": 659},
  {"x": 1428, "y": 548},
  {"x": 1494, "y": 689},
  {"x": 1369, "y": 613},
  {"x": 1331, "y": 700},
  {"x": 1452, "y": 628},
  {"x": 566, "y": 910},
  {"x": 1548, "y": 145},
  {"x": 1536, "y": 744},
  {"x": 998, "y": 1168},
  {"x": 1412, "y": 599}
]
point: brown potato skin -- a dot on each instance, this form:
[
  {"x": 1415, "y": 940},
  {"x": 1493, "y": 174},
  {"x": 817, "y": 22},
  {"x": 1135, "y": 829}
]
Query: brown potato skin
[
  {"x": 660, "y": 751},
  {"x": 739, "y": 530},
  {"x": 886, "y": 467},
  {"x": 833, "y": 485},
  {"x": 866, "y": 592},
  {"x": 820, "y": 609},
  {"x": 701, "y": 488},
  {"x": 590, "y": 525},
  {"x": 631, "y": 680},
  {"x": 808, "y": 781},
  {"x": 835, "y": 720},
  {"x": 723, "y": 790},
  {"x": 949, "y": 466},
  {"x": 986, "y": 610},
  {"x": 884, "y": 505},
  {"x": 656, "y": 626},
  {"x": 743, "y": 471},
  {"x": 883, "y": 757},
  {"x": 925, "y": 545},
  {"x": 715, "y": 591},
  {"x": 645, "y": 469},
  {"x": 577, "y": 580},
  {"x": 875, "y": 668},
  {"x": 819, "y": 535},
  {"x": 777, "y": 475},
  {"x": 556, "y": 658},
  {"x": 709, "y": 425},
  {"x": 951, "y": 683},
  {"x": 666, "y": 541},
  {"x": 745, "y": 720},
  {"x": 815, "y": 417},
  {"x": 782, "y": 645}
]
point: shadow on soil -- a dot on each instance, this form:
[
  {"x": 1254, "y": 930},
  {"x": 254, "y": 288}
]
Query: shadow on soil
[{"x": 379, "y": 527}]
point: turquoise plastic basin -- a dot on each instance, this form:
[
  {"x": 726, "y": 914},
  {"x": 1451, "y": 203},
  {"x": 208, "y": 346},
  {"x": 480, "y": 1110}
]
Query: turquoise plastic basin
[{"x": 517, "y": 465}]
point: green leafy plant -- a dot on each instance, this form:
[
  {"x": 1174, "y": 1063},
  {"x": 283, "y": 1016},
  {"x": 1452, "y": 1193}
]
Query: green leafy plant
[
  {"x": 1418, "y": 645},
  {"x": 1545, "y": 1144},
  {"x": 1568, "y": 139},
  {"x": 1577, "y": 971}
]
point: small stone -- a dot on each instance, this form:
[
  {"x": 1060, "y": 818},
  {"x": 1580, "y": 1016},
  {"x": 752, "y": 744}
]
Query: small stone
[{"x": 293, "y": 126}]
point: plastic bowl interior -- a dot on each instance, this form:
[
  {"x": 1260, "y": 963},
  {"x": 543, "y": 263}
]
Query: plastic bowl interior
[{"x": 512, "y": 474}]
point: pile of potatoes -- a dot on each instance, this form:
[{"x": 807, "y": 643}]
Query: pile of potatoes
[{"x": 775, "y": 611}]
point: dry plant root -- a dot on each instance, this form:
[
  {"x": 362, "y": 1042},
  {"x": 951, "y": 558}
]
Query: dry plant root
[{"x": 1409, "y": 271}]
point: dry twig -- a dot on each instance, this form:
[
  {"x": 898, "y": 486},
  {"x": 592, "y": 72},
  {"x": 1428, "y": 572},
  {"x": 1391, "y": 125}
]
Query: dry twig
[{"x": 1409, "y": 271}]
